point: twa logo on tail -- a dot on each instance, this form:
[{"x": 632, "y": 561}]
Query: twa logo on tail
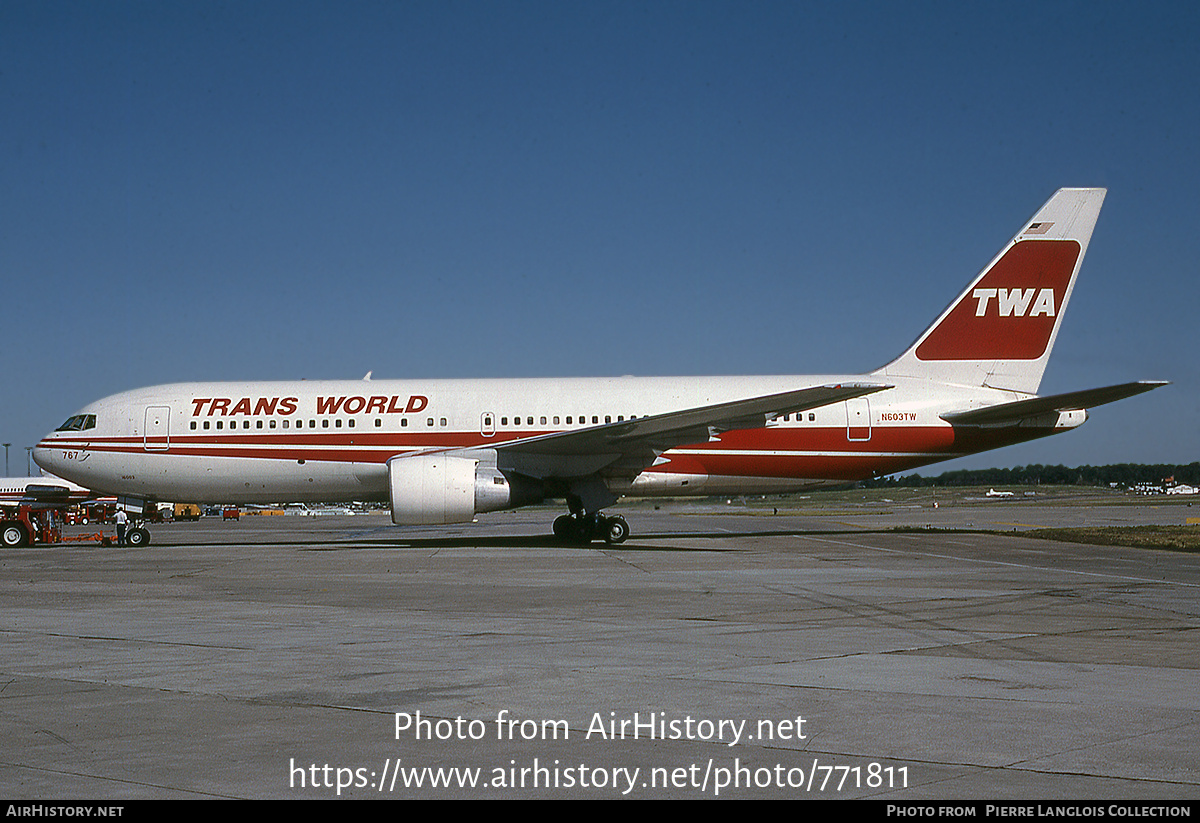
[
  {"x": 1000, "y": 330},
  {"x": 1011, "y": 312},
  {"x": 1014, "y": 302}
]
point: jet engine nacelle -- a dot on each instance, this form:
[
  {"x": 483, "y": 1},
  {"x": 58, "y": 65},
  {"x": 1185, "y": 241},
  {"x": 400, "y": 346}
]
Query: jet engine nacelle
[{"x": 432, "y": 489}]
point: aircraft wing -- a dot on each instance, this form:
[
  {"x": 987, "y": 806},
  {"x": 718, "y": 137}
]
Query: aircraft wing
[
  {"x": 639, "y": 441},
  {"x": 1034, "y": 406}
]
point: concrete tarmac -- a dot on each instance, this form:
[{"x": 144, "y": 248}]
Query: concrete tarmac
[{"x": 721, "y": 651}]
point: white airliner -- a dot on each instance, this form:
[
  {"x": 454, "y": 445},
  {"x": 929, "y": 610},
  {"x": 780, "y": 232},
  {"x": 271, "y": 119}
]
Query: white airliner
[
  {"x": 441, "y": 451},
  {"x": 44, "y": 491}
]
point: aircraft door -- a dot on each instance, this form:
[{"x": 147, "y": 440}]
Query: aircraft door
[
  {"x": 487, "y": 424},
  {"x": 858, "y": 419},
  {"x": 157, "y": 435}
]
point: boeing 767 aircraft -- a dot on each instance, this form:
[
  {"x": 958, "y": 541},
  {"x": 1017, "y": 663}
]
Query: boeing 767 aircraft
[{"x": 442, "y": 451}]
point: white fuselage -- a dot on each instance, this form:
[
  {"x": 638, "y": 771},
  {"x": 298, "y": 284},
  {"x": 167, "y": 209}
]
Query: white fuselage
[{"x": 331, "y": 440}]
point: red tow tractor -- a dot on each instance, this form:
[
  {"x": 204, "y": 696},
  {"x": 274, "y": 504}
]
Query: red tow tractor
[{"x": 26, "y": 525}]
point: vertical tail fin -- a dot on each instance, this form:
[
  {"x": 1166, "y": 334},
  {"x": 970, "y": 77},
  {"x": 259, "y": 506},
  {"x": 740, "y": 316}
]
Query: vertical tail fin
[{"x": 999, "y": 332}]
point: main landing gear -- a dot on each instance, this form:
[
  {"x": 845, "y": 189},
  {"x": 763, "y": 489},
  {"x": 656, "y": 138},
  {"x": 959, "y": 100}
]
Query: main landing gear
[
  {"x": 584, "y": 528},
  {"x": 585, "y": 523}
]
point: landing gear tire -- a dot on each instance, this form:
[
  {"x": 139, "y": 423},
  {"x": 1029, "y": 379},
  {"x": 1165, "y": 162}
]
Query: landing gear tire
[
  {"x": 564, "y": 526},
  {"x": 616, "y": 530},
  {"x": 585, "y": 529},
  {"x": 137, "y": 538},
  {"x": 13, "y": 535}
]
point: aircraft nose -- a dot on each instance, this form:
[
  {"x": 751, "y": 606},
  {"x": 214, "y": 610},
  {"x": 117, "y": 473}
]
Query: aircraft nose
[{"x": 43, "y": 455}]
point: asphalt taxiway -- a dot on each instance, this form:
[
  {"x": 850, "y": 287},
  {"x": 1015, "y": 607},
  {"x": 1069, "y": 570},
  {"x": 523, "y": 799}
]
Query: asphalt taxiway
[{"x": 721, "y": 651}]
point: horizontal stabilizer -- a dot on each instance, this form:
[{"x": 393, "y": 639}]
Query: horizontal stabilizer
[{"x": 1022, "y": 409}]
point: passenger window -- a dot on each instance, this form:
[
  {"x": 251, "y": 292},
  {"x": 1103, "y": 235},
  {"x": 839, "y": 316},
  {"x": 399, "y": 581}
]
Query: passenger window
[
  {"x": 442, "y": 421},
  {"x": 812, "y": 416},
  {"x": 193, "y": 425},
  {"x": 429, "y": 422}
]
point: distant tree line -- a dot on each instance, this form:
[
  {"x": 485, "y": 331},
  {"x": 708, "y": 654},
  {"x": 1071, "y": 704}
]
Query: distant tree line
[{"x": 1123, "y": 474}]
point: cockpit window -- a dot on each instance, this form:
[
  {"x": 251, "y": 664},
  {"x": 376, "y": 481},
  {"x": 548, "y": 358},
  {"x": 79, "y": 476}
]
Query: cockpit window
[{"x": 78, "y": 423}]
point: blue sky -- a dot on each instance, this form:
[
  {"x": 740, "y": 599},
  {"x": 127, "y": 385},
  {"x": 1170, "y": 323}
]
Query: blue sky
[{"x": 210, "y": 191}]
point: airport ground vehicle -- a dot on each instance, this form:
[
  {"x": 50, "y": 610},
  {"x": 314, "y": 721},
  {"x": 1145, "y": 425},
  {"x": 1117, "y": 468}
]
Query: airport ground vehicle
[
  {"x": 186, "y": 511},
  {"x": 33, "y": 509},
  {"x": 25, "y": 525}
]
